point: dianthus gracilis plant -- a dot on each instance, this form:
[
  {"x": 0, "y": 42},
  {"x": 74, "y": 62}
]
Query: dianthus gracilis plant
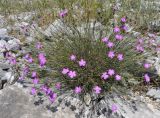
[{"x": 84, "y": 59}]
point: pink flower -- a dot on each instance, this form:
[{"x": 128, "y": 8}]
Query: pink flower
[
  {"x": 13, "y": 61},
  {"x": 97, "y": 89},
  {"x": 44, "y": 88},
  {"x": 111, "y": 54},
  {"x": 39, "y": 45},
  {"x": 105, "y": 40},
  {"x": 158, "y": 48},
  {"x": 42, "y": 59},
  {"x": 119, "y": 37},
  {"x": 124, "y": 27},
  {"x": 28, "y": 58},
  {"x": 73, "y": 57},
  {"x": 78, "y": 90},
  {"x": 118, "y": 77},
  {"x": 82, "y": 63},
  {"x": 123, "y": 19},
  {"x": 35, "y": 81},
  {"x": 52, "y": 96},
  {"x": 58, "y": 85},
  {"x": 7, "y": 55},
  {"x": 48, "y": 91},
  {"x": 25, "y": 70},
  {"x": 141, "y": 41},
  {"x": 120, "y": 57},
  {"x": 21, "y": 78},
  {"x": 151, "y": 41},
  {"x": 111, "y": 72},
  {"x": 65, "y": 71},
  {"x": 146, "y": 78},
  {"x": 110, "y": 44},
  {"x": 116, "y": 29},
  {"x": 114, "y": 108},
  {"x": 63, "y": 13},
  {"x": 34, "y": 74},
  {"x": 139, "y": 48},
  {"x": 104, "y": 76},
  {"x": 33, "y": 91},
  {"x": 72, "y": 74},
  {"x": 152, "y": 35},
  {"x": 146, "y": 65}
]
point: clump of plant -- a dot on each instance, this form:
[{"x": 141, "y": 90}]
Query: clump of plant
[
  {"x": 83, "y": 58},
  {"x": 85, "y": 65}
]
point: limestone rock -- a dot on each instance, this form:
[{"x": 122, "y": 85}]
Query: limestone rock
[
  {"x": 154, "y": 93},
  {"x": 101, "y": 108},
  {"x": 10, "y": 43},
  {"x": 16, "y": 102},
  {"x": 3, "y": 32}
]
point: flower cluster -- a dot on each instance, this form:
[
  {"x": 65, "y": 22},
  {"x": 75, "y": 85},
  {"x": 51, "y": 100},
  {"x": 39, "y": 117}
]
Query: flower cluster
[
  {"x": 11, "y": 57},
  {"x": 92, "y": 66},
  {"x": 46, "y": 90},
  {"x": 42, "y": 59},
  {"x": 139, "y": 45},
  {"x": 28, "y": 58},
  {"x": 63, "y": 13},
  {"x": 88, "y": 54},
  {"x": 111, "y": 73}
]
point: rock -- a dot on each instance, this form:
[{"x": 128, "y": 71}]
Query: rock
[
  {"x": 3, "y": 32},
  {"x": 68, "y": 105},
  {"x": 87, "y": 99},
  {"x": 20, "y": 25},
  {"x": 101, "y": 108},
  {"x": 1, "y": 85},
  {"x": 2, "y": 74},
  {"x": 96, "y": 33},
  {"x": 13, "y": 44},
  {"x": 2, "y": 45},
  {"x": 2, "y": 21},
  {"x": 157, "y": 64},
  {"x": 157, "y": 95},
  {"x": 151, "y": 92},
  {"x": 7, "y": 77},
  {"x": 58, "y": 26},
  {"x": 4, "y": 66},
  {"x": 15, "y": 102},
  {"x": 154, "y": 26},
  {"x": 10, "y": 43},
  {"x": 152, "y": 5},
  {"x": 154, "y": 93},
  {"x": 25, "y": 16},
  {"x": 136, "y": 34},
  {"x": 29, "y": 39},
  {"x": 1, "y": 56}
]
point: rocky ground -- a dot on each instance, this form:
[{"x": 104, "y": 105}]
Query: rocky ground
[{"x": 16, "y": 102}]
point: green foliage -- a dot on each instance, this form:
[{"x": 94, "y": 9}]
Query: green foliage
[
  {"x": 141, "y": 12},
  {"x": 86, "y": 23},
  {"x": 70, "y": 40}
]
